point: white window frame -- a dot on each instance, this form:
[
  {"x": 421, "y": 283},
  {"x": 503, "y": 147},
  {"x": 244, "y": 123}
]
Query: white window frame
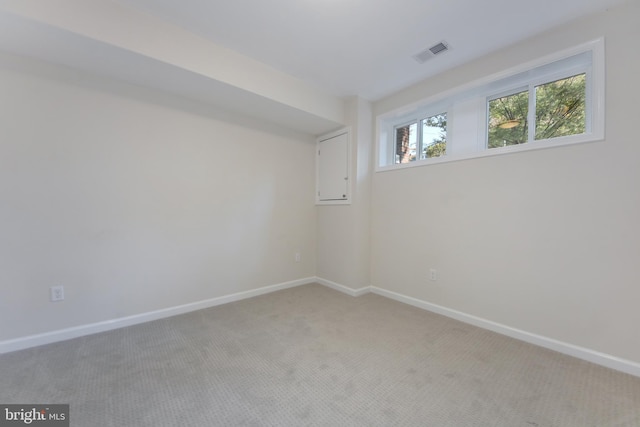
[
  {"x": 395, "y": 130},
  {"x": 427, "y": 114},
  {"x": 509, "y": 92},
  {"x": 482, "y": 90}
]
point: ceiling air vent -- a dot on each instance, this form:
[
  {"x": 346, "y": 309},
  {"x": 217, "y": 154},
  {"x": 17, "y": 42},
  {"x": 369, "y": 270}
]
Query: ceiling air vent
[{"x": 431, "y": 52}]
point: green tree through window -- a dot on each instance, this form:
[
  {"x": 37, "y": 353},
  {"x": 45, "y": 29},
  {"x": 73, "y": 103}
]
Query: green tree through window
[
  {"x": 560, "y": 107},
  {"x": 508, "y": 123},
  {"x": 560, "y": 111},
  {"x": 434, "y": 136}
]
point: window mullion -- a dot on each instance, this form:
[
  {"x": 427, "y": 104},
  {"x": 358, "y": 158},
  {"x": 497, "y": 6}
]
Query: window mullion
[
  {"x": 419, "y": 141},
  {"x": 531, "y": 116}
]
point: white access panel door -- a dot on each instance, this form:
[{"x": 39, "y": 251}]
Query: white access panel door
[{"x": 333, "y": 169}]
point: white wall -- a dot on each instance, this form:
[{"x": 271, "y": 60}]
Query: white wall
[
  {"x": 136, "y": 201},
  {"x": 548, "y": 241},
  {"x": 343, "y": 231}
]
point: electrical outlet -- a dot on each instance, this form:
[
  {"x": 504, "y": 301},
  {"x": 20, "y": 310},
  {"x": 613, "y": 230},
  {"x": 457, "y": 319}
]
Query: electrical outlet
[
  {"x": 297, "y": 256},
  {"x": 433, "y": 274},
  {"x": 56, "y": 293}
]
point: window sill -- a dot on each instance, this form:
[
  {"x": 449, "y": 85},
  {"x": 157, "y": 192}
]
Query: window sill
[{"x": 539, "y": 145}]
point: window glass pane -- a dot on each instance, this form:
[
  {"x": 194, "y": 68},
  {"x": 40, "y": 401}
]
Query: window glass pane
[
  {"x": 508, "y": 120},
  {"x": 560, "y": 107},
  {"x": 434, "y": 136},
  {"x": 406, "y": 143}
]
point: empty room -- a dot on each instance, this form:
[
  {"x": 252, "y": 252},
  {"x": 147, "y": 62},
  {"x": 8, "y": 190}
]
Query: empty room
[{"x": 319, "y": 213}]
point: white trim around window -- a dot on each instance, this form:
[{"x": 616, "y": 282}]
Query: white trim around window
[{"x": 466, "y": 108}]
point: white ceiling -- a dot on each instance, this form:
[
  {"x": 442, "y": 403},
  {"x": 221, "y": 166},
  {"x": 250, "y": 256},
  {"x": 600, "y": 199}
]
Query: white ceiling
[
  {"x": 364, "y": 47},
  {"x": 322, "y": 50}
]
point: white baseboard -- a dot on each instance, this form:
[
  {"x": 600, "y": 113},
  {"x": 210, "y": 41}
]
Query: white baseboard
[
  {"x": 342, "y": 288},
  {"x": 107, "y": 325},
  {"x": 592, "y": 356},
  {"x": 602, "y": 359}
]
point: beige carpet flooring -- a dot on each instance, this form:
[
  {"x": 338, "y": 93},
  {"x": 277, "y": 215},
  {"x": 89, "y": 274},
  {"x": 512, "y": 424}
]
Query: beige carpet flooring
[{"x": 311, "y": 356}]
